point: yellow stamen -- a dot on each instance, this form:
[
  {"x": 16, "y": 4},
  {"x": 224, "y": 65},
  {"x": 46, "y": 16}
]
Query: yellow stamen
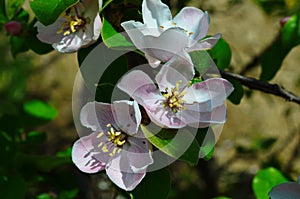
[
  {"x": 174, "y": 23},
  {"x": 174, "y": 98}
]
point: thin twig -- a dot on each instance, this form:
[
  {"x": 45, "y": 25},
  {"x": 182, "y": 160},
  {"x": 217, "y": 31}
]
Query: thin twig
[{"x": 263, "y": 86}]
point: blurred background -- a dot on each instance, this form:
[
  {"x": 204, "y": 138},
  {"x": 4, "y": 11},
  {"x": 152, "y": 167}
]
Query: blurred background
[{"x": 261, "y": 131}]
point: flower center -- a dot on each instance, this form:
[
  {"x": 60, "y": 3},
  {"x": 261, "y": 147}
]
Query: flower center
[
  {"x": 116, "y": 137},
  {"x": 174, "y": 98},
  {"x": 72, "y": 23}
]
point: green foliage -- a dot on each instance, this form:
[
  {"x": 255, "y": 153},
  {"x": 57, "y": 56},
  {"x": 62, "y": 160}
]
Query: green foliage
[
  {"x": 12, "y": 7},
  {"x": 112, "y": 38},
  {"x": 54, "y": 9},
  {"x": 156, "y": 184},
  {"x": 180, "y": 145},
  {"x": 265, "y": 180},
  {"x": 236, "y": 96},
  {"x": 12, "y": 186},
  {"x": 221, "y": 54},
  {"x": 40, "y": 109}
]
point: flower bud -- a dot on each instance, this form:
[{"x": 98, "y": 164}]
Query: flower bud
[
  {"x": 14, "y": 28},
  {"x": 284, "y": 20}
]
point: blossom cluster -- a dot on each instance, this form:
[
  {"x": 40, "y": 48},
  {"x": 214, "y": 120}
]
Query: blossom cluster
[{"x": 171, "y": 100}]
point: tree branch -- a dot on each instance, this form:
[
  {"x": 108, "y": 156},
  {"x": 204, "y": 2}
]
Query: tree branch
[{"x": 263, "y": 86}]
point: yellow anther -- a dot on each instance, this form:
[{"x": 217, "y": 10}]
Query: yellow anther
[
  {"x": 100, "y": 135},
  {"x": 174, "y": 23},
  {"x": 72, "y": 24},
  {"x": 190, "y": 33},
  {"x": 174, "y": 98},
  {"x": 108, "y": 125},
  {"x": 104, "y": 149},
  {"x": 100, "y": 144},
  {"x": 162, "y": 27}
]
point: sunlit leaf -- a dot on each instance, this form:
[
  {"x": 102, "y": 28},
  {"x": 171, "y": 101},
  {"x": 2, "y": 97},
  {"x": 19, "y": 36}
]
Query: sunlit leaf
[
  {"x": 112, "y": 38},
  {"x": 156, "y": 184},
  {"x": 40, "y": 109},
  {"x": 48, "y": 11},
  {"x": 180, "y": 145},
  {"x": 264, "y": 180}
]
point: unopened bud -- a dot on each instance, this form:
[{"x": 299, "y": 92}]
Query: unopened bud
[
  {"x": 284, "y": 20},
  {"x": 14, "y": 28}
]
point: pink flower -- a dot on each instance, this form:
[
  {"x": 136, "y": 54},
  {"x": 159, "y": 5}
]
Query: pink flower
[
  {"x": 78, "y": 27},
  {"x": 160, "y": 37},
  {"x": 115, "y": 145},
  {"x": 176, "y": 103}
]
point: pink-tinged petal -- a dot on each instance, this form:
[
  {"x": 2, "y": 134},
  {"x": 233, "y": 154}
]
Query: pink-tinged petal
[
  {"x": 165, "y": 118},
  {"x": 133, "y": 80},
  {"x": 171, "y": 42},
  {"x": 215, "y": 90},
  {"x": 197, "y": 119},
  {"x": 70, "y": 43},
  {"x": 127, "y": 116},
  {"x": 288, "y": 190},
  {"x": 48, "y": 34},
  {"x": 96, "y": 115},
  {"x": 82, "y": 155},
  {"x": 155, "y": 13},
  {"x": 175, "y": 70},
  {"x": 119, "y": 173},
  {"x": 154, "y": 63},
  {"x": 194, "y": 20},
  {"x": 88, "y": 117},
  {"x": 139, "y": 154},
  {"x": 205, "y": 44},
  {"x": 97, "y": 27}
]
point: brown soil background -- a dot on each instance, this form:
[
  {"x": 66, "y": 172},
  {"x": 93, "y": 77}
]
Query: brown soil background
[{"x": 248, "y": 31}]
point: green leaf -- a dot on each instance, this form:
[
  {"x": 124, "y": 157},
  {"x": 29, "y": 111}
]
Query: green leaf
[
  {"x": 181, "y": 145},
  {"x": 68, "y": 194},
  {"x": 265, "y": 180},
  {"x": 12, "y": 186},
  {"x": 40, "y": 109},
  {"x": 156, "y": 184},
  {"x": 201, "y": 60},
  {"x": 112, "y": 38},
  {"x": 12, "y": 7},
  {"x": 44, "y": 163},
  {"x": 222, "y": 197},
  {"x": 221, "y": 53},
  {"x": 34, "y": 136},
  {"x": 18, "y": 45},
  {"x": 236, "y": 96},
  {"x": 47, "y": 12},
  {"x": 3, "y": 18},
  {"x": 34, "y": 43},
  {"x": 44, "y": 196},
  {"x": 206, "y": 140},
  {"x": 290, "y": 34},
  {"x": 271, "y": 60}
]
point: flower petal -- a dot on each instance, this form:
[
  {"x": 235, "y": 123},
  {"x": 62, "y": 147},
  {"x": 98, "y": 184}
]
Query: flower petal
[
  {"x": 171, "y": 42},
  {"x": 285, "y": 191},
  {"x": 139, "y": 154},
  {"x": 205, "y": 44},
  {"x": 127, "y": 116},
  {"x": 155, "y": 13},
  {"x": 197, "y": 119},
  {"x": 154, "y": 63},
  {"x": 133, "y": 80},
  {"x": 97, "y": 115},
  {"x": 82, "y": 155},
  {"x": 194, "y": 20},
  {"x": 125, "y": 179},
  {"x": 173, "y": 71},
  {"x": 48, "y": 34},
  {"x": 215, "y": 90}
]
